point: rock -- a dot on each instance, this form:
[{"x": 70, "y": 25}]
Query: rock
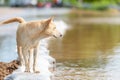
[{"x": 7, "y": 68}]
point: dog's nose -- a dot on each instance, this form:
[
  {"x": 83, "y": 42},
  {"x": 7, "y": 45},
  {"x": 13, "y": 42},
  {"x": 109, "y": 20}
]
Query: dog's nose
[{"x": 60, "y": 35}]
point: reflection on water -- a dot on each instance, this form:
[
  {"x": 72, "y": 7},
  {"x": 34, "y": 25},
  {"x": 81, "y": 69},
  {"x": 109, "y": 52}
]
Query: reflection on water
[
  {"x": 85, "y": 41},
  {"x": 87, "y": 51}
]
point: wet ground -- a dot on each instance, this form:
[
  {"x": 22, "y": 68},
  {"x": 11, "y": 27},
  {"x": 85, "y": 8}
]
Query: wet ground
[{"x": 89, "y": 50}]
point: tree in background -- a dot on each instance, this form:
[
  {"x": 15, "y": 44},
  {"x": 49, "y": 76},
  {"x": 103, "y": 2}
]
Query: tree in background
[{"x": 92, "y": 4}]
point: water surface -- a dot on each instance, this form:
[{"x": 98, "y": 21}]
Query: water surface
[{"x": 88, "y": 52}]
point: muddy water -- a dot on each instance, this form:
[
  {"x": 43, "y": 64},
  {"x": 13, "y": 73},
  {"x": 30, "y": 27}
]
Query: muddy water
[{"x": 88, "y": 52}]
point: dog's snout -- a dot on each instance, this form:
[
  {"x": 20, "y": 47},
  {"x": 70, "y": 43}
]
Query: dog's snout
[{"x": 60, "y": 35}]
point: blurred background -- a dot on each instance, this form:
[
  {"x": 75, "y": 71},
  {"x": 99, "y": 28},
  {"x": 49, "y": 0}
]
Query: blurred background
[{"x": 90, "y": 47}]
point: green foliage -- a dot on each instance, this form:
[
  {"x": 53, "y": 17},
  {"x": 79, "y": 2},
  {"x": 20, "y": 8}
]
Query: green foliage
[
  {"x": 44, "y": 0},
  {"x": 72, "y": 2},
  {"x": 103, "y": 4},
  {"x": 104, "y": 1},
  {"x": 94, "y": 4}
]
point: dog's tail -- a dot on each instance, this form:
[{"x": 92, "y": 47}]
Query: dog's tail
[{"x": 16, "y": 19}]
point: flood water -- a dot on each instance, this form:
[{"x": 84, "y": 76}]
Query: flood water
[{"x": 87, "y": 51}]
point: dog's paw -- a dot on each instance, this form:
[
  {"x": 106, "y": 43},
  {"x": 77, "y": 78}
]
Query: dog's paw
[
  {"x": 27, "y": 71},
  {"x": 36, "y": 71}
]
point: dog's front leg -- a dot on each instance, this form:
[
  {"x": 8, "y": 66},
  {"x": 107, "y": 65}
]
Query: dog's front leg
[
  {"x": 36, "y": 50},
  {"x": 30, "y": 59}
]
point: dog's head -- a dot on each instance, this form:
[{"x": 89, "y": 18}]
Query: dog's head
[{"x": 50, "y": 29}]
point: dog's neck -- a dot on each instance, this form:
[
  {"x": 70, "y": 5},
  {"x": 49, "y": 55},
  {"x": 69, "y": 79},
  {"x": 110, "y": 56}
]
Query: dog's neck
[{"x": 38, "y": 35}]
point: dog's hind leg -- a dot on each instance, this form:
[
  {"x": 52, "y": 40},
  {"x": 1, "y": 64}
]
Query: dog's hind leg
[
  {"x": 30, "y": 59},
  {"x": 25, "y": 56},
  {"x": 20, "y": 56}
]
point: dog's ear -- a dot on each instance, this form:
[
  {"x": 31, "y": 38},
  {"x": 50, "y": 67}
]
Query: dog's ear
[
  {"x": 48, "y": 21},
  {"x": 52, "y": 18}
]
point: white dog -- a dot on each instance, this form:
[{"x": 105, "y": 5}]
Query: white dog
[{"x": 28, "y": 36}]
